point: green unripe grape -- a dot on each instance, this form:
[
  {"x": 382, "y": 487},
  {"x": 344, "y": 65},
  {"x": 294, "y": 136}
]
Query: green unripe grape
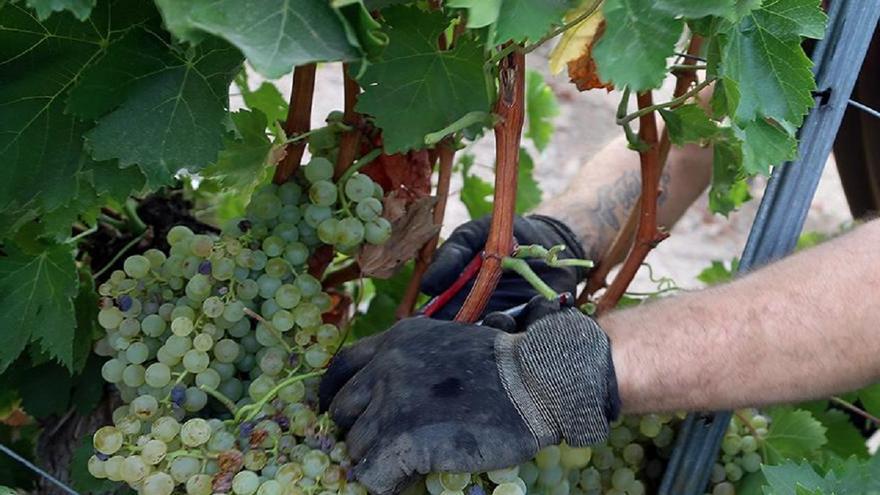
[
  {"x": 548, "y": 456},
  {"x": 622, "y": 478},
  {"x": 328, "y": 231},
  {"x": 196, "y": 361},
  {"x": 264, "y": 206},
  {"x": 748, "y": 444},
  {"x": 201, "y": 245},
  {"x": 319, "y": 169},
  {"x": 574, "y": 457},
  {"x": 499, "y": 476},
  {"x": 290, "y": 215},
  {"x": 157, "y": 483},
  {"x": 273, "y": 246},
  {"x": 289, "y": 193},
  {"x": 734, "y": 472},
  {"x": 751, "y": 462},
  {"x": 165, "y": 428},
  {"x": 296, "y": 253},
  {"x": 455, "y": 481},
  {"x": 107, "y": 440},
  {"x": 308, "y": 285},
  {"x": 144, "y": 406},
  {"x": 277, "y": 268},
  {"x": 359, "y": 187},
  {"x": 153, "y": 452},
  {"x": 377, "y": 231},
  {"x": 110, "y": 318},
  {"x": 199, "y": 484},
  {"x": 650, "y": 425},
  {"x": 314, "y": 215},
  {"x": 368, "y": 209},
  {"x": 731, "y": 444},
  {"x": 350, "y": 231},
  {"x": 153, "y": 325},
  {"x": 633, "y": 454},
  {"x": 285, "y": 231},
  {"x": 178, "y": 234},
  {"x": 323, "y": 193},
  {"x": 136, "y": 266},
  {"x": 203, "y": 342},
  {"x": 509, "y": 489},
  {"x": 725, "y": 488}
]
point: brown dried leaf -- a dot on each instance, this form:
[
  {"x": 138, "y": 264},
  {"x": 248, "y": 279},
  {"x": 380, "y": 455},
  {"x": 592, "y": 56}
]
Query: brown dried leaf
[
  {"x": 408, "y": 174},
  {"x": 408, "y": 234},
  {"x": 582, "y": 70}
]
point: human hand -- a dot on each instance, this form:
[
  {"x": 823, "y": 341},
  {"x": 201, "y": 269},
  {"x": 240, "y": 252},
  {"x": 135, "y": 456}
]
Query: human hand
[
  {"x": 438, "y": 396},
  {"x": 469, "y": 239}
]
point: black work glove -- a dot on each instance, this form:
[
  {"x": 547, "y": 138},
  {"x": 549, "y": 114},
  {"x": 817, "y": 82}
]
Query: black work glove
[
  {"x": 470, "y": 238},
  {"x": 438, "y": 396}
]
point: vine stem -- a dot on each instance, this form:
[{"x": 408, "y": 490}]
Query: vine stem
[
  {"x": 299, "y": 116},
  {"x": 226, "y": 401},
  {"x": 521, "y": 267},
  {"x": 348, "y": 143},
  {"x": 641, "y": 112},
  {"x": 119, "y": 254},
  {"x": 253, "y": 409},
  {"x": 618, "y": 249},
  {"x": 446, "y": 156},
  {"x": 565, "y": 27},
  {"x": 269, "y": 326},
  {"x": 648, "y": 235},
  {"x": 508, "y": 132},
  {"x": 852, "y": 407}
]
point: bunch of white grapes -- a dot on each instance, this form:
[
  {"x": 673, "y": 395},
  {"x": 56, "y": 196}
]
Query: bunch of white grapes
[
  {"x": 216, "y": 348},
  {"x": 740, "y": 451}
]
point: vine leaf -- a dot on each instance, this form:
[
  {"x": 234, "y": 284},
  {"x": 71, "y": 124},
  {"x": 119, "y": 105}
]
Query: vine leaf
[
  {"x": 266, "y": 99},
  {"x": 274, "y": 36},
  {"x": 694, "y": 9},
  {"x": 793, "y": 433},
  {"x": 729, "y": 188},
  {"x": 763, "y": 55},
  {"x": 577, "y": 41},
  {"x": 481, "y": 13},
  {"x": 179, "y": 112},
  {"x": 541, "y": 108},
  {"x": 764, "y": 144},
  {"x": 688, "y": 124},
  {"x": 244, "y": 159},
  {"x": 80, "y": 8},
  {"x": 476, "y": 193},
  {"x": 36, "y": 303},
  {"x": 637, "y": 41},
  {"x": 850, "y": 477},
  {"x": 409, "y": 233},
  {"x": 528, "y": 192},
  {"x": 844, "y": 439},
  {"x": 415, "y": 88},
  {"x": 520, "y": 20}
]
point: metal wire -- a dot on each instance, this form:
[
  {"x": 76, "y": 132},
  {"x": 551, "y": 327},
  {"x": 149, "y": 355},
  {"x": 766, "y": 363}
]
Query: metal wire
[
  {"x": 865, "y": 108},
  {"x": 33, "y": 467}
]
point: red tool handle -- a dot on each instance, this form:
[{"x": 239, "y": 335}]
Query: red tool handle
[{"x": 470, "y": 271}]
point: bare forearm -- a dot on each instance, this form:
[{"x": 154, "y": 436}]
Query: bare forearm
[
  {"x": 802, "y": 328},
  {"x": 600, "y": 196}
]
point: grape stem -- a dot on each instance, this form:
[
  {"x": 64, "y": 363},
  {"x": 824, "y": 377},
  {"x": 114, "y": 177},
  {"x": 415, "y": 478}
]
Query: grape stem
[
  {"x": 522, "y": 267},
  {"x": 250, "y": 411},
  {"x": 748, "y": 424},
  {"x": 134, "y": 220},
  {"x": 852, "y": 407},
  {"x": 271, "y": 329},
  {"x": 549, "y": 256},
  {"x": 361, "y": 163},
  {"x": 82, "y": 234},
  {"x": 226, "y": 401},
  {"x": 118, "y": 255}
]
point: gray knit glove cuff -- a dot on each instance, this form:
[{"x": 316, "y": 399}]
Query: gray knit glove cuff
[{"x": 560, "y": 376}]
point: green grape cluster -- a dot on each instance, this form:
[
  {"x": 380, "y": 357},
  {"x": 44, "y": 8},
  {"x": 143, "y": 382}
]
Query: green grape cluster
[
  {"x": 346, "y": 215},
  {"x": 216, "y": 349},
  {"x": 740, "y": 451}
]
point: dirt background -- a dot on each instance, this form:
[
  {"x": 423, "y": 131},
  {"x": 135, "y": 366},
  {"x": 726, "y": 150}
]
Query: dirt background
[{"x": 584, "y": 125}]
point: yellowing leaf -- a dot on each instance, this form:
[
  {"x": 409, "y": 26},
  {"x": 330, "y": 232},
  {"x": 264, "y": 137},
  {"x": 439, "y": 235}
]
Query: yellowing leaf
[{"x": 576, "y": 41}]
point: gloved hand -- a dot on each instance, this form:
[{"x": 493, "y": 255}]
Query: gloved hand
[
  {"x": 470, "y": 238},
  {"x": 431, "y": 395}
]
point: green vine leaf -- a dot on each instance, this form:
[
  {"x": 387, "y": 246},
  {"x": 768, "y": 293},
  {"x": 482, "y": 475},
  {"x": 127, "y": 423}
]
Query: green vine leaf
[
  {"x": 80, "y": 8},
  {"x": 179, "y": 112},
  {"x": 274, "y": 36},
  {"x": 243, "y": 161},
  {"x": 763, "y": 55},
  {"x": 850, "y": 477},
  {"x": 694, "y": 9},
  {"x": 476, "y": 193},
  {"x": 415, "y": 88},
  {"x": 528, "y": 192},
  {"x": 36, "y": 303},
  {"x": 481, "y": 13},
  {"x": 764, "y": 144},
  {"x": 729, "y": 188},
  {"x": 541, "y": 108},
  {"x": 793, "y": 434},
  {"x": 688, "y": 124},
  {"x": 520, "y": 20},
  {"x": 638, "y": 39},
  {"x": 266, "y": 99}
]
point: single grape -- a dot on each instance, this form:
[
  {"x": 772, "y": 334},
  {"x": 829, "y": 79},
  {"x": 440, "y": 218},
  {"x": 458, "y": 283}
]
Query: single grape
[
  {"x": 96, "y": 467},
  {"x": 323, "y": 193},
  {"x": 454, "y": 481},
  {"x": 622, "y": 478},
  {"x": 350, "y": 231},
  {"x": 650, "y": 425},
  {"x": 751, "y": 462},
  {"x": 359, "y": 187},
  {"x": 144, "y": 406},
  {"x": 196, "y": 361},
  {"x": 195, "y": 432},
  {"x": 314, "y": 463},
  {"x": 245, "y": 483},
  {"x": 134, "y": 469},
  {"x": 178, "y": 233},
  {"x": 199, "y": 484},
  {"x": 574, "y": 457},
  {"x": 133, "y": 375},
  {"x": 112, "y": 370},
  {"x": 107, "y": 440},
  {"x": 725, "y": 488},
  {"x": 110, "y": 318},
  {"x": 499, "y": 476},
  {"x": 369, "y": 209},
  {"x": 153, "y": 452},
  {"x": 136, "y": 266},
  {"x": 377, "y": 231},
  {"x": 165, "y": 428},
  {"x": 314, "y": 215},
  {"x": 328, "y": 231},
  {"x": 318, "y": 169},
  {"x": 548, "y": 457},
  {"x": 183, "y": 467}
]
